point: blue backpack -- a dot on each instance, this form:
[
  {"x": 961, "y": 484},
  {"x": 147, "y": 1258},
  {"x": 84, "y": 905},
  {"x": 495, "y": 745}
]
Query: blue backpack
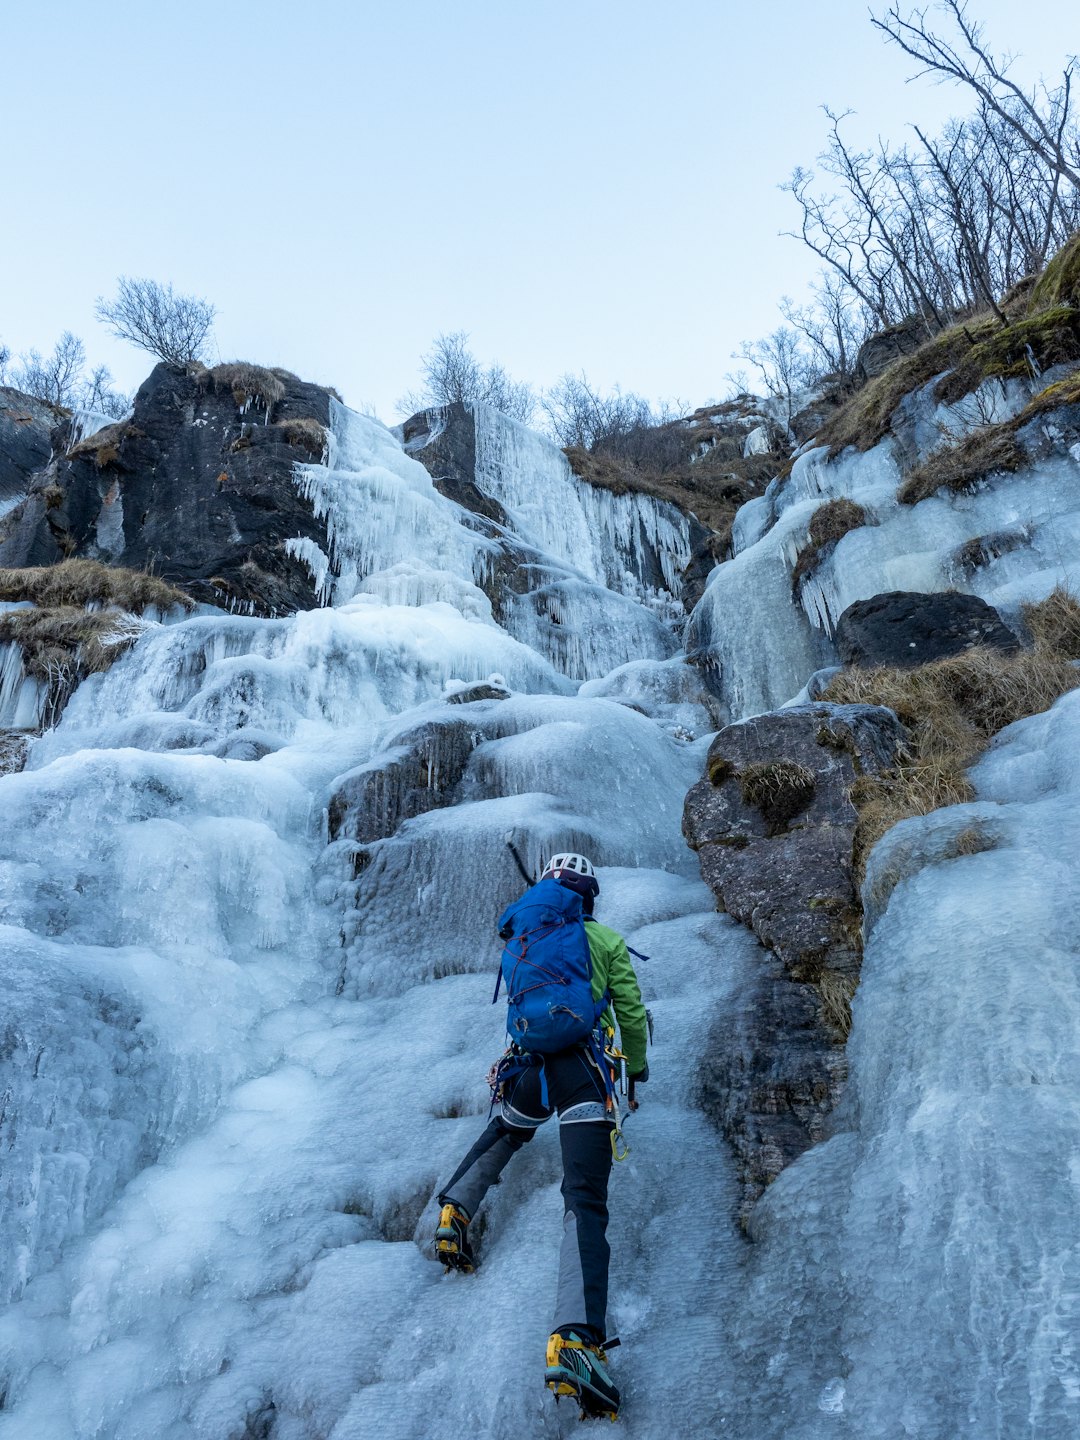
[{"x": 547, "y": 968}]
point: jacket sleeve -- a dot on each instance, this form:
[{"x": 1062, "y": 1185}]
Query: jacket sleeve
[{"x": 629, "y": 1009}]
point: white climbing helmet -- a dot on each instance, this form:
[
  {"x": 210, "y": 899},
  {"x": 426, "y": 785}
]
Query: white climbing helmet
[{"x": 575, "y": 864}]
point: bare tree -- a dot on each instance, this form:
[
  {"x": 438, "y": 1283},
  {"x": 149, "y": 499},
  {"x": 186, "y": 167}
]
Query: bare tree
[
  {"x": 783, "y": 364},
  {"x": 453, "y": 375},
  {"x": 173, "y": 327},
  {"x": 5, "y": 357},
  {"x": 621, "y": 425},
  {"x": 834, "y": 324},
  {"x": 97, "y": 393},
  {"x": 1040, "y": 117},
  {"x": 53, "y": 378}
]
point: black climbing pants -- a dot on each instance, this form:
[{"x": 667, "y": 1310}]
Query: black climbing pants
[{"x": 576, "y": 1091}]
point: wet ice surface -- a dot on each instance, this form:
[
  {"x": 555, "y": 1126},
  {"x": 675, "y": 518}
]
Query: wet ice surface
[
  {"x": 234, "y": 1073},
  {"x": 919, "y": 1273}
]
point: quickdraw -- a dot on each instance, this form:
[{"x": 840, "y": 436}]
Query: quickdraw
[{"x": 610, "y": 1061}]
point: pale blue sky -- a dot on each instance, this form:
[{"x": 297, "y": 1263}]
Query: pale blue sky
[{"x": 577, "y": 183}]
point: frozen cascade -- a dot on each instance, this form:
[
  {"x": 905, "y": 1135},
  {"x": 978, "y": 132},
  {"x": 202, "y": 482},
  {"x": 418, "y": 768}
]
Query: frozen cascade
[
  {"x": 235, "y": 1063},
  {"x": 604, "y": 569},
  {"x": 919, "y": 1273},
  {"x": 238, "y": 1058},
  {"x": 607, "y": 536},
  {"x": 22, "y": 698}
]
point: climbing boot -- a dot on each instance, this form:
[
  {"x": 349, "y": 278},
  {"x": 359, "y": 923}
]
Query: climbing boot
[
  {"x": 452, "y": 1240},
  {"x": 574, "y": 1367}
]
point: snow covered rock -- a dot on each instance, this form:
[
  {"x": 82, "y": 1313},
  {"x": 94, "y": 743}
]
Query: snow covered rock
[
  {"x": 419, "y": 774},
  {"x": 907, "y": 628}
]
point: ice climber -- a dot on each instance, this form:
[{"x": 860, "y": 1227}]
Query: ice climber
[{"x": 563, "y": 972}]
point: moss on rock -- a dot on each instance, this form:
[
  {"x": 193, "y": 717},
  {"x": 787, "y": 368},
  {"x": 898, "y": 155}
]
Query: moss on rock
[
  {"x": 1019, "y": 351},
  {"x": 1059, "y": 284}
]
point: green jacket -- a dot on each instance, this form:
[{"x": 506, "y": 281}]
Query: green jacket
[{"x": 612, "y": 971}]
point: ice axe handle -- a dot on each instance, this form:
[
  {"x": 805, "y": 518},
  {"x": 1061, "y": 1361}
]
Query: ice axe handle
[
  {"x": 520, "y": 863},
  {"x": 630, "y": 1098}
]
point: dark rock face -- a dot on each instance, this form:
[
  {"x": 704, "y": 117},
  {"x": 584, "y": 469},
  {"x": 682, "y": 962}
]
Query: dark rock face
[
  {"x": 26, "y": 427},
  {"x": 425, "y": 768},
  {"x": 879, "y": 351},
  {"x": 906, "y": 628},
  {"x": 706, "y": 550},
  {"x": 196, "y": 487},
  {"x": 770, "y": 1077},
  {"x": 806, "y": 423},
  {"x": 444, "y": 441},
  {"x": 773, "y": 826}
]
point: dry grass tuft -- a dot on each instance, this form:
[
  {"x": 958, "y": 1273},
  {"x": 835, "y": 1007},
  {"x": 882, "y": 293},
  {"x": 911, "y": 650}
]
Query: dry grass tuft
[
  {"x": 960, "y": 467},
  {"x": 63, "y": 645},
  {"x": 779, "y": 789},
  {"x": 1054, "y": 623},
  {"x": 250, "y": 384},
  {"x": 837, "y": 992},
  {"x": 78, "y": 583},
  {"x": 1062, "y": 392},
  {"x": 104, "y": 446},
  {"x": 304, "y": 433},
  {"x": 972, "y": 840},
  {"x": 711, "y": 487},
  {"x": 951, "y": 708},
  {"x": 828, "y": 525}
]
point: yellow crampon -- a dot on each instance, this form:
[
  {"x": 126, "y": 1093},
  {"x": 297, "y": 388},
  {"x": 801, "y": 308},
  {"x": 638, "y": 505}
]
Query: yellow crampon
[{"x": 561, "y": 1377}]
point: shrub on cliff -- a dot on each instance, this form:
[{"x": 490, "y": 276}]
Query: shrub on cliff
[{"x": 175, "y": 328}]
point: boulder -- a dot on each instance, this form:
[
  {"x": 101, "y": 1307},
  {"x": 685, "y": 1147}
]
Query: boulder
[
  {"x": 197, "y": 485},
  {"x": 906, "y": 628},
  {"x": 773, "y": 826}
]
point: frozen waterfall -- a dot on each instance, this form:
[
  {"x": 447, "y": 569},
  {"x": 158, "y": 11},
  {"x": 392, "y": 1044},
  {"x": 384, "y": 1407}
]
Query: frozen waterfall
[
  {"x": 248, "y": 1016},
  {"x": 238, "y": 1057}
]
